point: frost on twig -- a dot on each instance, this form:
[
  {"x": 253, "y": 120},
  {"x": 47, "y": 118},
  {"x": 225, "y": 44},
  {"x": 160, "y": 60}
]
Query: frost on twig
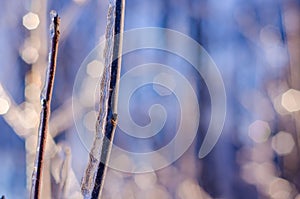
[
  {"x": 63, "y": 180},
  {"x": 93, "y": 179},
  {"x": 45, "y": 111}
]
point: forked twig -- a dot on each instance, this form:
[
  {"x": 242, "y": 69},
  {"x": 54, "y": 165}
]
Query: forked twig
[
  {"x": 46, "y": 97},
  {"x": 93, "y": 180}
]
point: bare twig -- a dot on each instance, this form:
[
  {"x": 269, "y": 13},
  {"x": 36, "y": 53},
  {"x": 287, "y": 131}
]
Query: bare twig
[
  {"x": 93, "y": 180},
  {"x": 46, "y": 109}
]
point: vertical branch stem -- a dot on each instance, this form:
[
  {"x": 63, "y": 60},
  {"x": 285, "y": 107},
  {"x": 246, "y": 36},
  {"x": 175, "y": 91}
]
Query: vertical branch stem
[
  {"x": 46, "y": 97},
  {"x": 111, "y": 120},
  {"x": 93, "y": 180}
]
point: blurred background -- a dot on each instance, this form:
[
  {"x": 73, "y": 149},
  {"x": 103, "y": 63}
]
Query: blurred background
[{"x": 256, "y": 46}]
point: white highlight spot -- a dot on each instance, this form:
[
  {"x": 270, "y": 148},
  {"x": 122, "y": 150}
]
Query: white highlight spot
[
  {"x": 31, "y": 21},
  {"x": 259, "y": 131},
  {"x": 280, "y": 189},
  {"x": 94, "y": 69},
  {"x": 291, "y": 100},
  {"x": 283, "y": 143},
  {"x": 30, "y": 54}
]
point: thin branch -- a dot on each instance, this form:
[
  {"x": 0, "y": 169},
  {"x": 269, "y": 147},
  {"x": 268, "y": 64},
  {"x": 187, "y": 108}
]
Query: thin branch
[
  {"x": 93, "y": 180},
  {"x": 46, "y": 97}
]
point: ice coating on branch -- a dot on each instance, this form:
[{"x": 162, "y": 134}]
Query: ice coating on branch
[
  {"x": 54, "y": 22},
  {"x": 46, "y": 97},
  {"x": 88, "y": 182},
  {"x": 53, "y": 14}
]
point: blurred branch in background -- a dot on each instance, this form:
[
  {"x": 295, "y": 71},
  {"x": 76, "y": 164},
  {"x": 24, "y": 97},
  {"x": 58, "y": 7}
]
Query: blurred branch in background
[{"x": 290, "y": 99}]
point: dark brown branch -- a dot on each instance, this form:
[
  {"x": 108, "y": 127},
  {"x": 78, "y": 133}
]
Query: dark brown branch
[
  {"x": 46, "y": 97},
  {"x": 94, "y": 177},
  {"x": 111, "y": 120},
  {"x": 3, "y": 197}
]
